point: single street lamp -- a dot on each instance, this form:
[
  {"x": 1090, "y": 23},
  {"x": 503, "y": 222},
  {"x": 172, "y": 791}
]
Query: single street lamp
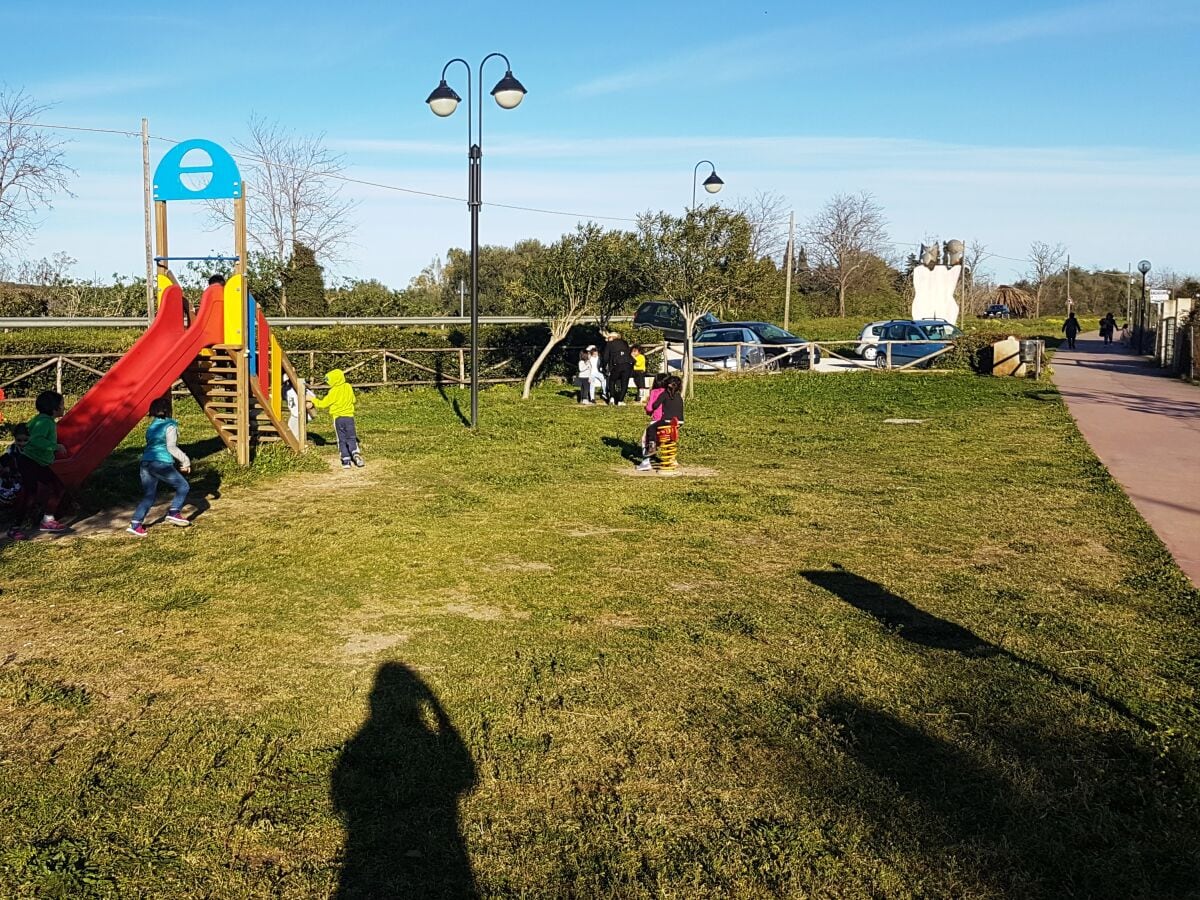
[
  {"x": 443, "y": 100},
  {"x": 712, "y": 183},
  {"x": 1143, "y": 267}
]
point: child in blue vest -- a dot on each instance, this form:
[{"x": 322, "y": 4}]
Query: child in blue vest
[{"x": 158, "y": 464}]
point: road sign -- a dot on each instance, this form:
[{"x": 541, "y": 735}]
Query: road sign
[{"x": 1159, "y": 296}]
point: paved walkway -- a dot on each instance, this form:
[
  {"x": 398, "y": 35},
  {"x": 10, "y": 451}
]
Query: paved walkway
[{"x": 1145, "y": 427}]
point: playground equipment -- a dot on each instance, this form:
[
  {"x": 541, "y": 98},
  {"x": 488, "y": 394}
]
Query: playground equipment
[
  {"x": 668, "y": 446},
  {"x": 224, "y": 352}
]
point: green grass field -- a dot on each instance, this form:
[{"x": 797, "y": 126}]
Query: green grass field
[{"x": 855, "y": 659}]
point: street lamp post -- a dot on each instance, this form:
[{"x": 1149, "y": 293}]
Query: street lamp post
[
  {"x": 1144, "y": 268},
  {"x": 443, "y": 101},
  {"x": 712, "y": 183}
]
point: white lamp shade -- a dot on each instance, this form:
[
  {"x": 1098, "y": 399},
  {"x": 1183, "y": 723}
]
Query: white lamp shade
[
  {"x": 509, "y": 99},
  {"x": 443, "y": 106},
  {"x": 713, "y": 188}
]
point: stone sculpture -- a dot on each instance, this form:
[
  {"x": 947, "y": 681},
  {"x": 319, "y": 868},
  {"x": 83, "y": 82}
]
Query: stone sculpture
[{"x": 934, "y": 284}]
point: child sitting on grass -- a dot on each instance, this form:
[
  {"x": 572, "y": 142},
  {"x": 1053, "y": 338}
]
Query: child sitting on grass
[
  {"x": 340, "y": 403},
  {"x": 10, "y": 470},
  {"x": 39, "y": 484},
  {"x": 158, "y": 464},
  {"x": 665, "y": 407}
]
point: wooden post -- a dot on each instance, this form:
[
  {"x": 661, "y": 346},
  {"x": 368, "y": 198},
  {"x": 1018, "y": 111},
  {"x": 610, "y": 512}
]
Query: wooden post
[
  {"x": 302, "y": 424},
  {"x": 148, "y": 212},
  {"x": 462, "y": 366},
  {"x": 889, "y": 355},
  {"x": 58, "y": 376},
  {"x": 243, "y": 353},
  {"x": 385, "y": 379},
  {"x": 787, "y": 289},
  {"x": 812, "y": 356},
  {"x": 737, "y": 362}
]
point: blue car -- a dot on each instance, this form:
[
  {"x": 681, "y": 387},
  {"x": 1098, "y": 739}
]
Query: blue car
[{"x": 939, "y": 331}]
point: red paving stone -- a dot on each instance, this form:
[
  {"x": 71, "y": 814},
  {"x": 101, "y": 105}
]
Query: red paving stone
[{"x": 1145, "y": 427}]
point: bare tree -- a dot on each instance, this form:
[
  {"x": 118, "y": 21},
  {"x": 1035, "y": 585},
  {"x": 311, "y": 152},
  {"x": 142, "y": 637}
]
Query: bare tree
[
  {"x": 32, "y": 167},
  {"x": 975, "y": 284},
  {"x": 842, "y": 238},
  {"x": 766, "y": 212},
  {"x": 292, "y": 196},
  {"x": 1044, "y": 261}
]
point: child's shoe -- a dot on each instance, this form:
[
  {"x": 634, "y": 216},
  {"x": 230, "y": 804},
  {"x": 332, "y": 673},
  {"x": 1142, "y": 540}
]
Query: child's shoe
[
  {"x": 52, "y": 525},
  {"x": 137, "y": 530},
  {"x": 176, "y": 519},
  {"x": 645, "y": 466},
  {"x": 16, "y": 534},
  {"x": 345, "y": 463},
  {"x": 358, "y": 460}
]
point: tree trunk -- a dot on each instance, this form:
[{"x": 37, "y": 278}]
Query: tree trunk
[
  {"x": 842, "y": 299},
  {"x": 556, "y": 337}
]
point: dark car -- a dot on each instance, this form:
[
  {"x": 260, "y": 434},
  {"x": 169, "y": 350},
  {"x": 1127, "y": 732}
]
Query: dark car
[
  {"x": 997, "y": 311},
  {"x": 899, "y": 332},
  {"x": 666, "y": 317}
]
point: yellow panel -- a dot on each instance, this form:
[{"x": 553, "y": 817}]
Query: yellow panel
[
  {"x": 164, "y": 282},
  {"x": 276, "y": 378},
  {"x": 233, "y": 311}
]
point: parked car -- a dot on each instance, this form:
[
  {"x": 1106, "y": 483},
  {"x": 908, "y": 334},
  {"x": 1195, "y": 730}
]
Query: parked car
[
  {"x": 997, "y": 311},
  {"x": 666, "y": 317},
  {"x": 939, "y": 331},
  {"x": 868, "y": 339},
  {"x": 717, "y": 348}
]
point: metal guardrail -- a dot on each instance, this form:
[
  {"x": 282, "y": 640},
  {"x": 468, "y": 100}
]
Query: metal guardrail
[{"x": 285, "y": 321}]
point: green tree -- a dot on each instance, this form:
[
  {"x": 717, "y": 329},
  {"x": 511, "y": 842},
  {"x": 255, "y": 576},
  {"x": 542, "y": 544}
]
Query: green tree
[
  {"x": 304, "y": 284},
  {"x": 566, "y": 280},
  {"x": 703, "y": 261}
]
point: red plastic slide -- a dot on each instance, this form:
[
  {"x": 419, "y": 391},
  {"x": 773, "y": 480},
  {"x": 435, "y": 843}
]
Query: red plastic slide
[{"x": 115, "y": 405}]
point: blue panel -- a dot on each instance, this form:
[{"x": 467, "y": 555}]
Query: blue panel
[
  {"x": 225, "y": 184},
  {"x": 252, "y": 342}
]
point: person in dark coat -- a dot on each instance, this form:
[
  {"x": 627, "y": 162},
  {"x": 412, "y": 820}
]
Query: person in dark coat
[
  {"x": 1108, "y": 327},
  {"x": 617, "y": 364},
  {"x": 1071, "y": 328}
]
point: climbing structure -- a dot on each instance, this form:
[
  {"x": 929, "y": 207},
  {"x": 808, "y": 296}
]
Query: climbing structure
[{"x": 224, "y": 352}]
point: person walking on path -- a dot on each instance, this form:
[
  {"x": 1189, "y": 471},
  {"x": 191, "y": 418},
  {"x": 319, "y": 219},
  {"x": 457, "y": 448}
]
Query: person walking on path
[
  {"x": 340, "y": 403},
  {"x": 617, "y": 363},
  {"x": 1108, "y": 327},
  {"x": 158, "y": 464},
  {"x": 1071, "y": 329}
]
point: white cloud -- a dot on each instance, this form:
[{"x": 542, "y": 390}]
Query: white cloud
[{"x": 90, "y": 87}]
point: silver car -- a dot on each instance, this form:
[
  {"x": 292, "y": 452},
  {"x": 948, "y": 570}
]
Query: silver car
[{"x": 869, "y": 338}]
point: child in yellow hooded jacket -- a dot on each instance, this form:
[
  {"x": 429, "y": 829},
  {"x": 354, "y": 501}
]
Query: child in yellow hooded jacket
[{"x": 340, "y": 403}]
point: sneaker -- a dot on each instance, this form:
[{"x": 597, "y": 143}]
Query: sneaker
[
  {"x": 358, "y": 460},
  {"x": 52, "y": 525},
  {"x": 16, "y": 534},
  {"x": 177, "y": 519},
  {"x": 345, "y": 464},
  {"x": 645, "y": 466},
  {"x": 136, "y": 530},
  {"x": 585, "y": 402},
  {"x": 620, "y": 403}
]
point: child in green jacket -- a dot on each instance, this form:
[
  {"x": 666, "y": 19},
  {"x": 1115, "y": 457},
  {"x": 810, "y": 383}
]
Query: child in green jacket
[
  {"x": 38, "y": 481},
  {"x": 340, "y": 403}
]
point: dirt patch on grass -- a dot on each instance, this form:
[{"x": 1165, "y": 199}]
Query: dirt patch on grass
[
  {"x": 520, "y": 565},
  {"x": 681, "y": 472},
  {"x": 484, "y": 613},
  {"x": 364, "y": 644},
  {"x": 618, "y": 620}
]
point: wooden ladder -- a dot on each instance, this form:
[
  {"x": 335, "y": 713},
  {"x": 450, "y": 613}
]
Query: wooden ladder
[{"x": 212, "y": 380}]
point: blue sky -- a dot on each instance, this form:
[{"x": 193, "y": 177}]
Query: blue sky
[{"x": 1070, "y": 122}]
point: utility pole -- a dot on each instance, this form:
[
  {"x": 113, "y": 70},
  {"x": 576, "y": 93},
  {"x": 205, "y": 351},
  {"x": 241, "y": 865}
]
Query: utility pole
[
  {"x": 462, "y": 297},
  {"x": 787, "y": 284},
  {"x": 1129, "y": 293},
  {"x": 147, "y": 201},
  {"x": 1069, "y": 303}
]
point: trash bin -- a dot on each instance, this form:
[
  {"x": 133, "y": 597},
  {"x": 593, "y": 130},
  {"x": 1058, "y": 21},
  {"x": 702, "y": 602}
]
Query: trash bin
[{"x": 1032, "y": 353}]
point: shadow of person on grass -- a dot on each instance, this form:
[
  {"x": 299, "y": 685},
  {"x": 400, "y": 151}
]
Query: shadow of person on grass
[
  {"x": 1047, "y": 811},
  {"x": 396, "y": 786},
  {"x": 630, "y": 450},
  {"x": 916, "y": 626}
]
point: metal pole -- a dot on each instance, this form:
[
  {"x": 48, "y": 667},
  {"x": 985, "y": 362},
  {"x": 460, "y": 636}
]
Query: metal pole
[
  {"x": 462, "y": 297},
  {"x": 1129, "y": 292},
  {"x": 148, "y": 204},
  {"x": 787, "y": 284},
  {"x": 476, "y": 159},
  {"x": 1141, "y": 341},
  {"x": 1069, "y": 284}
]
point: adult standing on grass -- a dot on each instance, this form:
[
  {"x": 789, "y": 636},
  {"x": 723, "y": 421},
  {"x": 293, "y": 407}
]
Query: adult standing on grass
[
  {"x": 158, "y": 464},
  {"x": 1071, "y": 329},
  {"x": 617, "y": 363},
  {"x": 39, "y": 484}
]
